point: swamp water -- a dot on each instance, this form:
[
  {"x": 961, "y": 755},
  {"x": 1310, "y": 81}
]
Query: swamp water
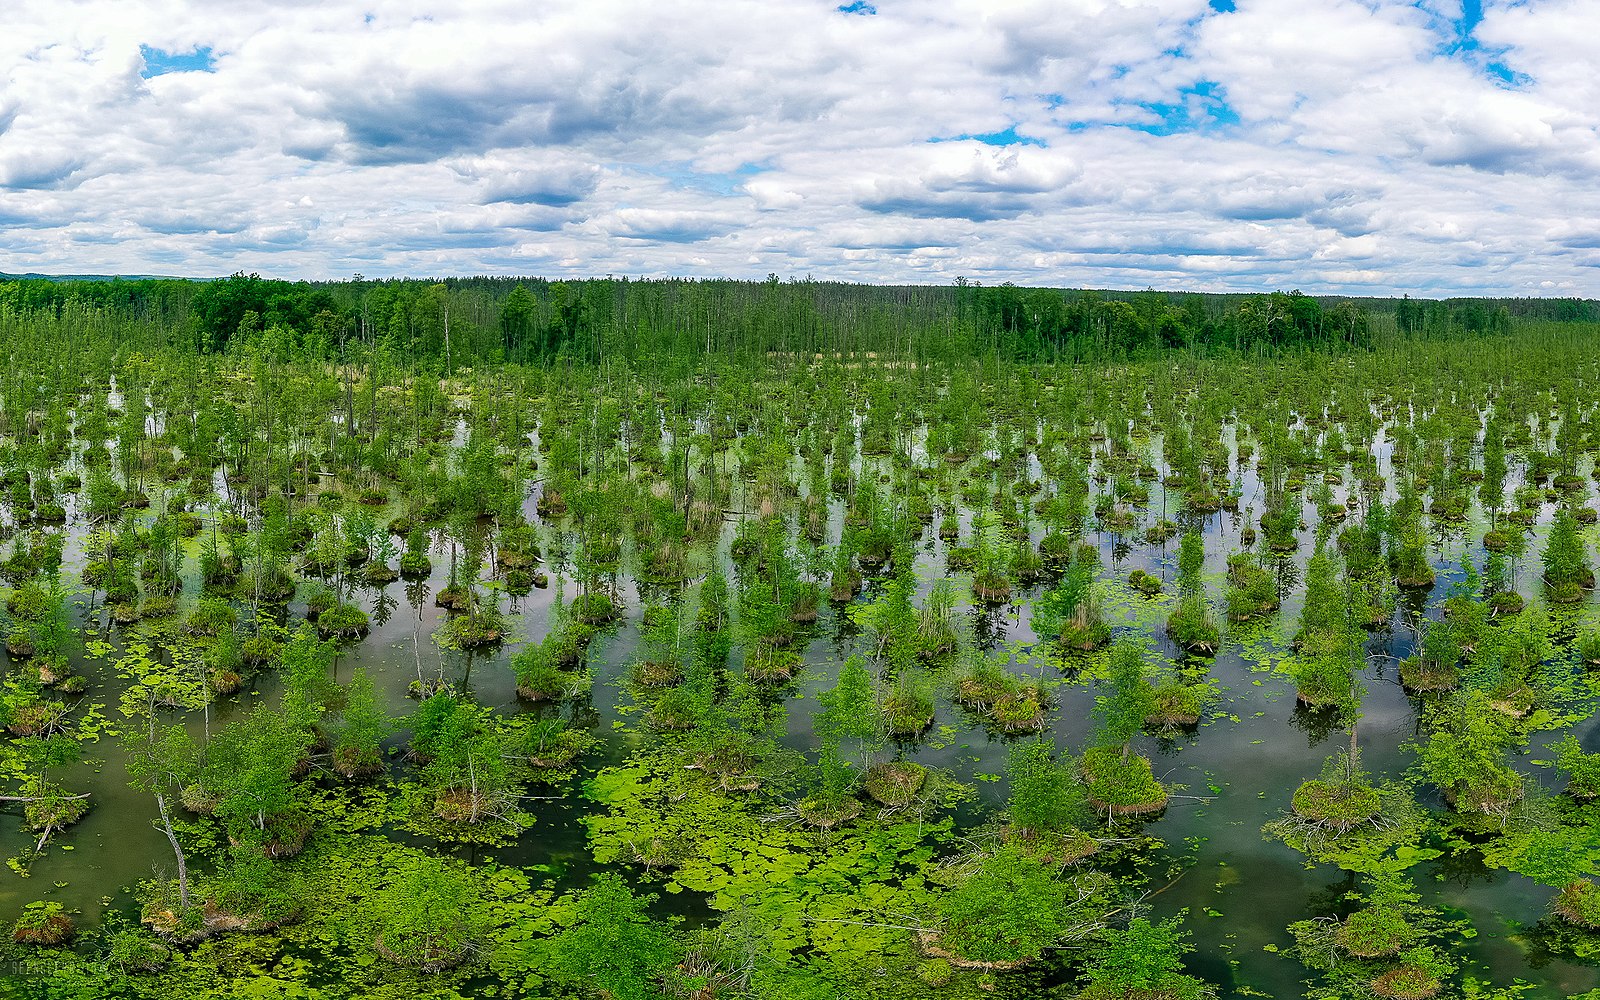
[{"x": 1236, "y": 770}]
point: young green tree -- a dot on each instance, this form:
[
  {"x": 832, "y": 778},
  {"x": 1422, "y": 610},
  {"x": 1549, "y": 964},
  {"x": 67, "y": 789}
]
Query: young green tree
[
  {"x": 431, "y": 915},
  {"x": 614, "y": 948},
  {"x": 1141, "y": 961},
  {"x": 1118, "y": 780},
  {"x": 1190, "y": 624},
  {"x": 161, "y": 760},
  {"x": 1465, "y": 754},
  {"x": 464, "y": 759},
  {"x": 1045, "y": 794},
  {"x": 1012, "y": 908},
  {"x": 1566, "y": 561},
  {"x": 362, "y": 727},
  {"x": 1121, "y": 711},
  {"x": 250, "y": 765}
]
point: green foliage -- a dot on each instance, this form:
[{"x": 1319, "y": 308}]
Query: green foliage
[
  {"x": 430, "y": 916},
  {"x": 362, "y": 726},
  {"x": 249, "y": 765},
  {"x": 1045, "y": 793},
  {"x": 1009, "y": 909},
  {"x": 1464, "y": 753},
  {"x": 1566, "y": 560},
  {"x": 1583, "y": 769},
  {"x": 1144, "y": 959},
  {"x": 1129, "y": 698},
  {"x": 1120, "y": 783},
  {"x": 614, "y": 948}
]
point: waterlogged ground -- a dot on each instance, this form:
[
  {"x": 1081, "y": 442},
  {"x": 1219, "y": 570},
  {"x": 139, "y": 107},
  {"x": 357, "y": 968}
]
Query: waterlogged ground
[{"x": 1231, "y": 775}]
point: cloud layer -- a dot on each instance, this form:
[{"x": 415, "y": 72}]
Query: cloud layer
[{"x": 1354, "y": 146}]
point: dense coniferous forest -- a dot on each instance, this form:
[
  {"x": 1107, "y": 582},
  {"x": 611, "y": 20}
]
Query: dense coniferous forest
[
  {"x": 529, "y": 320},
  {"x": 788, "y": 639}
]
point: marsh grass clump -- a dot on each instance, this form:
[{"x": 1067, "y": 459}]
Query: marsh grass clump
[
  {"x": 343, "y": 621},
  {"x": 894, "y": 783},
  {"x": 1375, "y": 931},
  {"x": 1252, "y": 593},
  {"x": 1418, "y": 976},
  {"x": 1337, "y": 806},
  {"x": 1121, "y": 785},
  {"x": 1177, "y": 704},
  {"x": 1144, "y": 583},
  {"x": 43, "y": 925},
  {"x": 1578, "y": 903}
]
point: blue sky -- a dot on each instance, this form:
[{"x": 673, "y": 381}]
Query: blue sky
[{"x": 1340, "y": 146}]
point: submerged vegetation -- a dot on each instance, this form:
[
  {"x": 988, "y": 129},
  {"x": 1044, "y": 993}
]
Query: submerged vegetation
[{"x": 781, "y": 640}]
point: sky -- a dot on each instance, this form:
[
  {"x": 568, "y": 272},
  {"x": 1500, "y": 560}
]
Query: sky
[{"x": 1356, "y": 147}]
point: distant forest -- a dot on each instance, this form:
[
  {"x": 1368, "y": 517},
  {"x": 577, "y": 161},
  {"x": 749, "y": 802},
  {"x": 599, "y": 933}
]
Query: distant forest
[{"x": 459, "y": 322}]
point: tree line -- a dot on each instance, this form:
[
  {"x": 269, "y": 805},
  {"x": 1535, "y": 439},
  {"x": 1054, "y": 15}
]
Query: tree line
[{"x": 484, "y": 320}]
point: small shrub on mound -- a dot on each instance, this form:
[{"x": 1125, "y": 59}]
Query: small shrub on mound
[
  {"x": 132, "y": 951},
  {"x": 539, "y": 673},
  {"x": 342, "y": 621},
  {"x": 1415, "y": 978},
  {"x": 1191, "y": 627},
  {"x": 1177, "y": 704},
  {"x": 1374, "y": 932},
  {"x": 431, "y": 916},
  {"x": 1338, "y": 806},
  {"x": 1144, "y": 583},
  {"x": 826, "y": 812},
  {"x": 1018, "y": 711},
  {"x": 478, "y": 629},
  {"x": 1054, "y": 847},
  {"x": 259, "y": 650},
  {"x": 674, "y": 711},
  {"x": 54, "y": 811},
  {"x": 1002, "y": 915},
  {"x": 1422, "y": 674},
  {"x": 415, "y": 565},
  {"x": 1122, "y": 786},
  {"x": 908, "y": 712},
  {"x": 595, "y": 609},
  {"x": 1578, "y": 903},
  {"x": 772, "y": 666},
  {"x": 44, "y": 925},
  {"x": 894, "y": 783}
]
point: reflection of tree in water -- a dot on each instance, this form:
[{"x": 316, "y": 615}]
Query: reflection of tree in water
[
  {"x": 417, "y": 593},
  {"x": 845, "y": 631},
  {"x": 989, "y": 627},
  {"x": 1175, "y": 741},
  {"x": 1213, "y": 967},
  {"x": 383, "y": 605},
  {"x": 657, "y": 592},
  {"x": 578, "y": 712},
  {"x": 1552, "y": 940},
  {"x": 1317, "y": 723},
  {"x": 1287, "y": 574},
  {"x": 1332, "y": 900},
  {"x": 1415, "y": 600},
  {"x": 1462, "y": 867}
]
